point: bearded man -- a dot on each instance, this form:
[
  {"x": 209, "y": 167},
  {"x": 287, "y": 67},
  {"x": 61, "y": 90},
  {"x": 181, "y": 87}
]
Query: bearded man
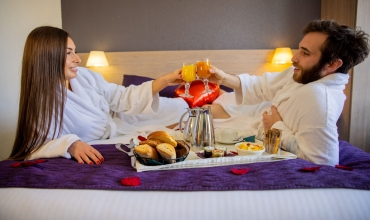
[{"x": 306, "y": 100}]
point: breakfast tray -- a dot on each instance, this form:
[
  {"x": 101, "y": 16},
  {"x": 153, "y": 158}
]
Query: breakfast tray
[{"x": 194, "y": 161}]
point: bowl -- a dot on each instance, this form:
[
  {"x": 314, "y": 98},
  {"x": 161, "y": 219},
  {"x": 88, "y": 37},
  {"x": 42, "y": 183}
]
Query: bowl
[
  {"x": 180, "y": 153},
  {"x": 160, "y": 161},
  {"x": 249, "y": 148}
]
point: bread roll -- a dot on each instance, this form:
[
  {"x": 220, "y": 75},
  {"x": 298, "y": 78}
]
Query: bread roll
[
  {"x": 151, "y": 142},
  {"x": 182, "y": 148},
  {"x": 146, "y": 151},
  {"x": 163, "y": 136},
  {"x": 167, "y": 151}
]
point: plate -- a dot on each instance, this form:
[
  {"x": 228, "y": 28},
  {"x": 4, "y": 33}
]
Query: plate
[{"x": 228, "y": 142}]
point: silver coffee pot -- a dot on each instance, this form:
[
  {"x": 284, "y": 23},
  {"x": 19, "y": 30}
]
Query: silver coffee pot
[{"x": 198, "y": 129}]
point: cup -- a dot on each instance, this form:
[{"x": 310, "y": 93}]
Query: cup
[
  {"x": 227, "y": 135},
  {"x": 202, "y": 68}
]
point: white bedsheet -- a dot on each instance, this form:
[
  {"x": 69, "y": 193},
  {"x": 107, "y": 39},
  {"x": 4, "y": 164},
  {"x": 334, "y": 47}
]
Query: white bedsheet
[{"x": 20, "y": 203}]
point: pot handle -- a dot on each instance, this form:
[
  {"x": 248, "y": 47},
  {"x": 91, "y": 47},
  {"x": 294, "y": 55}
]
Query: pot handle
[{"x": 180, "y": 122}]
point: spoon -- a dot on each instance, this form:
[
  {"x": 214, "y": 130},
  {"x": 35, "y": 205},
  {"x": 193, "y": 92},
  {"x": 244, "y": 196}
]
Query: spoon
[{"x": 239, "y": 138}]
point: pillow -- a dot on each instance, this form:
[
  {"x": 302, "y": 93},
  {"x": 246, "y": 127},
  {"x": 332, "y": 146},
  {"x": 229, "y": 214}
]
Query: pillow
[
  {"x": 227, "y": 89},
  {"x": 196, "y": 89},
  {"x": 128, "y": 80}
]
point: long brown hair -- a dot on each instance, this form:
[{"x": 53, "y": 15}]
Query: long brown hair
[{"x": 42, "y": 96}]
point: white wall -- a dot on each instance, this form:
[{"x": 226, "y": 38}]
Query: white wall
[{"x": 17, "y": 19}]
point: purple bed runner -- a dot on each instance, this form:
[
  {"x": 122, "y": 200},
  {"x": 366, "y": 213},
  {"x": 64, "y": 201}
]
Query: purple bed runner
[{"x": 61, "y": 173}]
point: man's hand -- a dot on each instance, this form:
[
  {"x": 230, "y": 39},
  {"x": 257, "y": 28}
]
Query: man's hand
[
  {"x": 84, "y": 153},
  {"x": 217, "y": 76},
  {"x": 269, "y": 120},
  {"x": 220, "y": 77}
]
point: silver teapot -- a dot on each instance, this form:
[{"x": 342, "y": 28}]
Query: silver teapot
[{"x": 198, "y": 129}]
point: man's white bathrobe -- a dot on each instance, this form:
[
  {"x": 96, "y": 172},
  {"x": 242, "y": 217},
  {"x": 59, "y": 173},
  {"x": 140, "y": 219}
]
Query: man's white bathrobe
[
  {"x": 309, "y": 111},
  {"x": 97, "y": 110}
]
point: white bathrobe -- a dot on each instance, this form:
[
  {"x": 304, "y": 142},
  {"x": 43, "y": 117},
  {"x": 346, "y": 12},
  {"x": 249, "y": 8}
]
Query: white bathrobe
[
  {"x": 97, "y": 110},
  {"x": 309, "y": 111}
]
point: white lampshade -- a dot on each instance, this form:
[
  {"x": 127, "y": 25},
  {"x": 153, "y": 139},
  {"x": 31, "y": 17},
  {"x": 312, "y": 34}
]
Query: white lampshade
[
  {"x": 97, "y": 58},
  {"x": 282, "y": 55}
]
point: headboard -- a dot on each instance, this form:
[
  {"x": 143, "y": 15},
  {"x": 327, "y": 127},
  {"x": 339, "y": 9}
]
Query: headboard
[{"x": 157, "y": 63}]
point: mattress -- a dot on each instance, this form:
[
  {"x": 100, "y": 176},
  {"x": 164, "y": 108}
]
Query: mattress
[{"x": 23, "y": 203}]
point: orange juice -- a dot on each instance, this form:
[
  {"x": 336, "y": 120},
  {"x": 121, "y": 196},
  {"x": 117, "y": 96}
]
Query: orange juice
[
  {"x": 188, "y": 72},
  {"x": 202, "y": 68}
]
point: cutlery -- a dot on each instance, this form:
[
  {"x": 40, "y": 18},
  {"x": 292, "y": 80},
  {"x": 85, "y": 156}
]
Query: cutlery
[
  {"x": 239, "y": 138},
  {"x": 130, "y": 152}
]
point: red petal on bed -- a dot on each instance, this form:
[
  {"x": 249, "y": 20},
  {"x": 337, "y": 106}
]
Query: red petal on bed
[
  {"x": 28, "y": 163},
  {"x": 310, "y": 169},
  {"x": 141, "y": 138},
  {"x": 343, "y": 167},
  {"x": 234, "y": 152},
  {"x": 131, "y": 181},
  {"x": 240, "y": 171},
  {"x": 16, "y": 164}
]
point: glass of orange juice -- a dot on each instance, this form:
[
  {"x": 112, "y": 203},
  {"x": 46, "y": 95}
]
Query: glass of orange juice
[
  {"x": 188, "y": 75},
  {"x": 203, "y": 66}
]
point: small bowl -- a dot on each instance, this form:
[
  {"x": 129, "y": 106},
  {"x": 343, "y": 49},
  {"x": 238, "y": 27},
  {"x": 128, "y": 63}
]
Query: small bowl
[{"x": 244, "y": 152}]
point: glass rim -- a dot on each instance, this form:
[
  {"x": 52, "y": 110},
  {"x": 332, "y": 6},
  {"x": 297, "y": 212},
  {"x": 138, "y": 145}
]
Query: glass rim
[
  {"x": 188, "y": 64},
  {"x": 203, "y": 59}
]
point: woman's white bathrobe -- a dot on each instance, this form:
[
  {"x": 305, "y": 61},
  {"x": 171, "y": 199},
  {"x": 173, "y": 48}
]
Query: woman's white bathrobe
[
  {"x": 97, "y": 110},
  {"x": 309, "y": 111}
]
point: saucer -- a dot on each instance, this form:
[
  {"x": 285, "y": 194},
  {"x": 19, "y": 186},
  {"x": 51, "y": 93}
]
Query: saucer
[{"x": 228, "y": 142}]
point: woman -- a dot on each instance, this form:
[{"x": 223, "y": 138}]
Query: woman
[{"x": 62, "y": 106}]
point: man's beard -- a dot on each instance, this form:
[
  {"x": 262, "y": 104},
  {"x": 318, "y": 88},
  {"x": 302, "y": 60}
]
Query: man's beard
[{"x": 308, "y": 75}]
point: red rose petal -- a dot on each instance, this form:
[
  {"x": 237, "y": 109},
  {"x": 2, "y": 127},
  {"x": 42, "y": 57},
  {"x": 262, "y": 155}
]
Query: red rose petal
[
  {"x": 240, "y": 171},
  {"x": 234, "y": 152},
  {"x": 28, "y": 163},
  {"x": 141, "y": 138},
  {"x": 16, "y": 164},
  {"x": 310, "y": 169},
  {"x": 131, "y": 181},
  {"x": 343, "y": 167}
]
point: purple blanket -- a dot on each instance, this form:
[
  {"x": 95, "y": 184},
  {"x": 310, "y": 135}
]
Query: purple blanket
[{"x": 62, "y": 173}]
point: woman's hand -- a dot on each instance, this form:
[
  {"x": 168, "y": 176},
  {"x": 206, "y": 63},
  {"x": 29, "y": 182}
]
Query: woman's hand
[
  {"x": 169, "y": 79},
  {"x": 174, "y": 78},
  {"x": 84, "y": 153},
  {"x": 269, "y": 120}
]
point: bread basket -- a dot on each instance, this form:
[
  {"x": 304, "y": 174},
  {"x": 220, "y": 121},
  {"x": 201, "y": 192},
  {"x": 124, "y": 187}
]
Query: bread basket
[{"x": 160, "y": 161}]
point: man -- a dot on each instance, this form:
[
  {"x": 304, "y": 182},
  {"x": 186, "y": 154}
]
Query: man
[{"x": 307, "y": 100}]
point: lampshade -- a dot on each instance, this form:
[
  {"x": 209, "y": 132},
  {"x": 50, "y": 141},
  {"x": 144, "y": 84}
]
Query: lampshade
[
  {"x": 97, "y": 58},
  {"x": 282, "y": 55}
]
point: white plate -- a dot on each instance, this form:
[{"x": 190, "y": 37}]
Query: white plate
[{"x": 227, "y": 142}]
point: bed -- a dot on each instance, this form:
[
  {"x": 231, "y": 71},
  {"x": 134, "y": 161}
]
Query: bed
[{"x": 62, "y": 189}]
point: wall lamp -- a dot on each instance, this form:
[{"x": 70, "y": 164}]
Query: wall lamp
[
  {"x": 97, "y": 59},
  {"x": 282, "y": 55}
]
